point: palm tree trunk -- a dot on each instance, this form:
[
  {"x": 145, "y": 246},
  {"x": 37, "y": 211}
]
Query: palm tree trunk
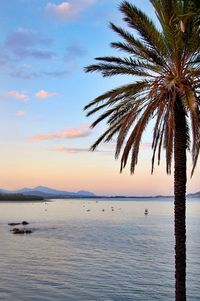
[{"x": 180, "y": 178}]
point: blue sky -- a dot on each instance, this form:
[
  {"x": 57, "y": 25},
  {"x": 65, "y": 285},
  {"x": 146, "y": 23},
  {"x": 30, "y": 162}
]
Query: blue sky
[{"x": 45, "y": 135}]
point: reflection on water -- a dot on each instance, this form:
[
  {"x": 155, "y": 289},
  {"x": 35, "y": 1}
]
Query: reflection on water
[{"x": 87, "y": 251}]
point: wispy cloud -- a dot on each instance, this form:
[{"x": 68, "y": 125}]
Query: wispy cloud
[
  {"x": 42, "y": 94},
  {"x": 72, "y": 133},
  {"x": 24, "y": 43},
  {"x": 77, "y": 150},
  {"x": 74, "y": 51},
  {"x": 23, "y": 37},
  {"x": 19, "y": 95},
  {"x": 108, "y": 148},
  {"x": 34, "y": 53},
  {"x": 66, "y": 11},
  {"x": 71, "y": 150},
  {"x": 25, "y": 72},
  {"x": 20, "y": 113},
  {"x": 146, "y": 145},
  {"x": 55, "y": 73}
]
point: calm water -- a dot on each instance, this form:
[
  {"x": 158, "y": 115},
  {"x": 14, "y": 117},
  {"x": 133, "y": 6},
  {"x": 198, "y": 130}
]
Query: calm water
[{"x": 80, "y": 255}]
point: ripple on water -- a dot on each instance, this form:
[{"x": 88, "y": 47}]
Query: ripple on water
[{"x": 91, "y": 256}]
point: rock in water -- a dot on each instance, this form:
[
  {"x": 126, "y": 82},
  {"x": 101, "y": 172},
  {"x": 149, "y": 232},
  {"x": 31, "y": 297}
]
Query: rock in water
[
  {"x": 21, "y": 231},
  {"x": 24, "y": 223}
]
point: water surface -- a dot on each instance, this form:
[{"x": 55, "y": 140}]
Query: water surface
[{"x": 83, "y": 250}]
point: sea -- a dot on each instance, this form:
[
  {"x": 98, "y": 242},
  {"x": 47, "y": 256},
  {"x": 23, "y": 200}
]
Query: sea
[{"x": 95, "y": 250}]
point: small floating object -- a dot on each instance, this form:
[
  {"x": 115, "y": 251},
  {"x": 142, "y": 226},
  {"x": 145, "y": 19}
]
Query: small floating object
[
  {"x": 18, "y": 231},
  {"x": 88, "y": 210},
  {"x": 24, "y": 223},
  {"x": 28, "y": 231},
  {"x": 146, "y": 212},
  {"x": 21, "y": 231},
  {"x": 103, "y": 210}
]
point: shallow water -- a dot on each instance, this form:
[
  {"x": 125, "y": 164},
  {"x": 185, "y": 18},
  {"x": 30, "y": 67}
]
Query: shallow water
[{"x": 80, "y": 255}]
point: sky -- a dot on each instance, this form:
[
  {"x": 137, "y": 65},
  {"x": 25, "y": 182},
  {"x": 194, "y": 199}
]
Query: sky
[{"x": 44, "y": 133}]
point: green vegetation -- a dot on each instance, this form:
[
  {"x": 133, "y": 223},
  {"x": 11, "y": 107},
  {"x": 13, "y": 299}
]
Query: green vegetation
[
  {"x": 166, "y": 62},
  {"x": 19, "y": 197}
]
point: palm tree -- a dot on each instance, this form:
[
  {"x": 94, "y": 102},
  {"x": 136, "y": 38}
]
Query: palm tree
[{"x": 164, "y": 69}]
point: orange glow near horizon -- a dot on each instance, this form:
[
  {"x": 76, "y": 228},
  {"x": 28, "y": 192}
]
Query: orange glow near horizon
[
  {"x": 95, "y": 172},
  {"x": 44, "y": 133}
]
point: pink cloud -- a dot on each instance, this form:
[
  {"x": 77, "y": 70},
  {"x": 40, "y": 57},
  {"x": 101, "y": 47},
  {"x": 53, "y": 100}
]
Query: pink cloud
[
  {"x": 67, "y": 10},
  {"x": 146, "y": 145},
  {"x": 108, "y": 148},
  {"x": 17, "y": 95},
  {"x": 42, "y": 94},
  {"x": 20, "y": 113},
  {"x": 71, "y": 150},
  {"x": 76, "y": 150},
  {"x": 83, "y": 131}
]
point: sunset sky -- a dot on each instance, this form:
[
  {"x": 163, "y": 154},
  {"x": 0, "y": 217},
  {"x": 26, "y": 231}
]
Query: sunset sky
[{"x": 45, "y": 135}]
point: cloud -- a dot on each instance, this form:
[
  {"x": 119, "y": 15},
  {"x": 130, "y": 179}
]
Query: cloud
[
  {"x": 25, "y": 72},
  {"x": 23, "y": 43},
  {"x": 56, "y": 73},
  {"x": 34, "y": 53},
  {"x": 71, "y": 150},
  {"x": 42, "y": 94},
  {"x": 4, "y": 58},
  {"x": 17, "y": 95},
  {"x": 74, "y": 51},
  {"x": 66, "y": 11},
  {"x": 108, "y": 148},
  {"x": 83, "y": 131},
  {"x": 76, "y": 150},
  {"x": 146, "y": 145},
  {"x": 20, "y": 113},
  {"x": 23, "y": 37}
]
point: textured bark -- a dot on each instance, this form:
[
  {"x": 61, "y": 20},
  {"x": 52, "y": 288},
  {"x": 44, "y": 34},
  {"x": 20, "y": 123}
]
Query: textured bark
[{"x": 180, "y": 144}]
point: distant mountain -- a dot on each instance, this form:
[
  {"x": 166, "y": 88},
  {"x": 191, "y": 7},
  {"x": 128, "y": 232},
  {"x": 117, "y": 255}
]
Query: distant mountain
[
  {"x": 85, "y": 193},
  {"x": 194, "y": 195},
  {"x": 42, "y": 189},
  {"x": 47, "y": 192}
]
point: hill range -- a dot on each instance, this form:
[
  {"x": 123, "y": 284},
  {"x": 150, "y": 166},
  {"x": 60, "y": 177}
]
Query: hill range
[{"x": 46, "y": 192}]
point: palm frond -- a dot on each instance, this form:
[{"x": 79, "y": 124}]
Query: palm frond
[
  {"x": 118, "y": 94},
  {"x": 139, "y": 21},
  {"x": 139, "y": 49},
  {"x": 168, "y": 64},
  {"x": 108, "y": 70}
]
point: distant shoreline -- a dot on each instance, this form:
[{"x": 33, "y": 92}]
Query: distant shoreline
[
  {"x": 36, "y": 198},
  {"x": 20, "y": 198},
  {"x": 41, "y": 192}
]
